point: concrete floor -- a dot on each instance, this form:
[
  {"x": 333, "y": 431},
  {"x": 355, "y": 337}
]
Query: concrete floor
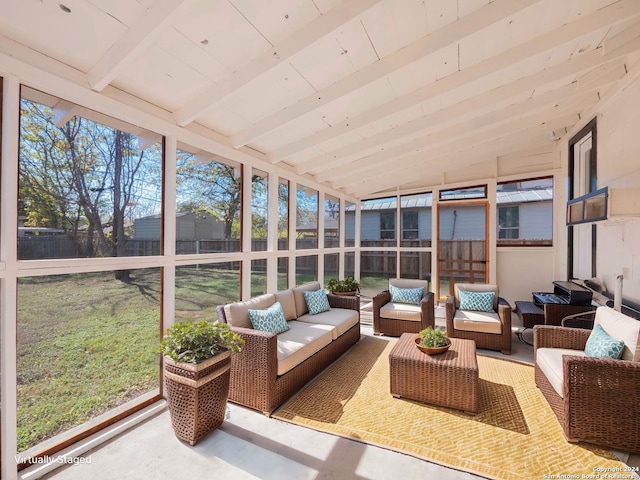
[{"x": 252, "y": 446}]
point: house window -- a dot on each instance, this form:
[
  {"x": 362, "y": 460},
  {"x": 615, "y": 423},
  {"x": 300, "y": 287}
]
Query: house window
[
  {"x": 387, "y": 225},
  {"x": 409, "y": 225},
  {"x": 525, "y": 213},
  {"x": 508, "y": 222}
]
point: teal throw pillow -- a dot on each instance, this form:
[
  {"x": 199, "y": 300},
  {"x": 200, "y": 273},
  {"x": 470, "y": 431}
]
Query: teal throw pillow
[
  {"x": 601, "y": 344},
  {"x": 412, "y": 296},
  {"x": 270, "y": 319},
  {"x": 317, "y": 301},
  {"x": 478, "y": 301}
]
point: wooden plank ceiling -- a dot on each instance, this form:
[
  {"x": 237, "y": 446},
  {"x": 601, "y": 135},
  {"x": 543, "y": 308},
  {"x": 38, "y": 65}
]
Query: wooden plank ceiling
[{"x": 363, "y": 95}]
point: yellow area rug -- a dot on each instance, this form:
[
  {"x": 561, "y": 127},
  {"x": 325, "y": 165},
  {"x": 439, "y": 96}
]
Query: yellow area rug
[{"x": 514, "y": 436}]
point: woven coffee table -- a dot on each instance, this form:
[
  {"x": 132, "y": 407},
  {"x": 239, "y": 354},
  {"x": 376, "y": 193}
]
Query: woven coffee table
[{"x": 449, "y": 379}]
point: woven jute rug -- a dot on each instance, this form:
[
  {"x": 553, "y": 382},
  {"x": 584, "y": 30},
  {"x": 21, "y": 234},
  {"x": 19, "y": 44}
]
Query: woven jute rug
[{"x": 514, "y": 436}]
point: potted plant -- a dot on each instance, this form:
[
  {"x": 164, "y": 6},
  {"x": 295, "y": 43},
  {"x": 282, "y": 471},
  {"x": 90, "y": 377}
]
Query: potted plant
[
  {"x": 433, "y": 341},
  {"x": 197, "y": 362},
  {"x": 348, "y": 286}
]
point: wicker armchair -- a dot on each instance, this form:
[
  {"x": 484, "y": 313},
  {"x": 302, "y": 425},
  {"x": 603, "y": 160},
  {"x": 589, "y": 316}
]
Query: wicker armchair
[
  {"x": 596, "y": 400},
  {"x": 491, "y": 330},
  {"x": 394, "y": 319}
]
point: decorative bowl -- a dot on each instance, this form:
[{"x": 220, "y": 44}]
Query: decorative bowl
[{"x": 433, "y": 350}]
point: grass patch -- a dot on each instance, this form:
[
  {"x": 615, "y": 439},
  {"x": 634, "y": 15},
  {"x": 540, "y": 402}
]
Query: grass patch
[{"x": 88, "y": 343}]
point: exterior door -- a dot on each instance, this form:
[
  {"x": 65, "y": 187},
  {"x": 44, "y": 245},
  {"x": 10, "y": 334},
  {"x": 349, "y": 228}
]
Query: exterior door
[{"x": 462, "y": 245}]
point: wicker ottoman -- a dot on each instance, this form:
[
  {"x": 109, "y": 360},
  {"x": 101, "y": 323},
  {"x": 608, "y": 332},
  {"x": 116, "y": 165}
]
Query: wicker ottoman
[{"x": 449, "y": 379}]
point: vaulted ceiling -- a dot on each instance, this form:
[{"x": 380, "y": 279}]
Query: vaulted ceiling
[{"x": 364, "y": 95}]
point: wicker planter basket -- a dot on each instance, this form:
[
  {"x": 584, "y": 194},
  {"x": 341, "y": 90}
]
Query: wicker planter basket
[{"x": 197, "y": 395}]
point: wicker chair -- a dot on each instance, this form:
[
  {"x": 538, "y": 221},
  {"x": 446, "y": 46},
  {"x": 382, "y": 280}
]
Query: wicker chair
[
  {"x": 490, "y": 330},
  {"x": 596, "y": 400},
  {"x": 394, "y": 319}
]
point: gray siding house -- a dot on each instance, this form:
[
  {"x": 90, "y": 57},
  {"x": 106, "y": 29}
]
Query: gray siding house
[
  {"x": 522, "y": 214},
  {"x": 189, "y": 226}
]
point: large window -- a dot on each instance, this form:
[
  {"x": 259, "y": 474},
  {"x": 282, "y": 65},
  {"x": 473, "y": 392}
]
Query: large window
[
  {"x": 583, "y": 149},
  {"x": 378, "y": 222},
  {"x": 331, "y": 265},
  {"x": 306, "y": 269},
  {"x": 283, "y": 215},
  {"x": 416, "y": 220},
  {"x": 87, "y": 343},
  {"x": 415, "y": 264},
  {"x": 525, "y": 212},
  {"x": 259, "y": 220},
  {"x": 258, "y": 277},
  {"x": 331, "y": 221},
  {"x": 201, "y": 288},
  {"x": 306, "y": 218},
  {"x": 349, "y": 224},
  {"x": 376, "y": 267},
  {"x": 85, "y": 183},
  {"x": 208, "y": 204}
]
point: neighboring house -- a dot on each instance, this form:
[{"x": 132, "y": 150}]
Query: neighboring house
[
  {"x": 189, "y": 226},
  {"x": 310, "y": 227},
  {"x": 522, "y": 214}
]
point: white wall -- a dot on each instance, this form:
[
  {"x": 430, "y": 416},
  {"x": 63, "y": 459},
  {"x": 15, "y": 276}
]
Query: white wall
[
  {"x": 523, "y": 270},
  {"x": 618, "y": 242}
]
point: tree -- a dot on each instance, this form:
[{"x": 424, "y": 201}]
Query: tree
[
  {"x": 83, "y": 177},
  {"x": 211, "y": 187}
]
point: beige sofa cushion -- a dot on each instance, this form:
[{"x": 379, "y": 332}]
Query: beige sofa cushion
[
  {"x": 476, "y": 287},
  {"x": 342, "y": 319},
  {"x": 288, "y": 302},
  {"x": 621, "y": 327},
  {"x": 237, "y": 314},
  {"x": 409, "y": 283},
  {"x": 300, "y": 342},
  {"x": 401, "y": 311},
  {"x": 473, "y": 321},
  {"x": 550, "y": 362},
  {"x": 301, "y": 303}
]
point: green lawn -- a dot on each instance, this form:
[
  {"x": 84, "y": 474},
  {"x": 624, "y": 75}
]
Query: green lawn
[{"x": 88, "y": 343}]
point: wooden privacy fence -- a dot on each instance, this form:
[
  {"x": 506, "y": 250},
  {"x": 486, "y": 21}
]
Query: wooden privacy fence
[{"x": 460, "y": 260}]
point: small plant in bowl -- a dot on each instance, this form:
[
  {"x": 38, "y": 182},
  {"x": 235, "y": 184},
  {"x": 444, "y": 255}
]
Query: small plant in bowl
[{"x": 433, "y": 341}]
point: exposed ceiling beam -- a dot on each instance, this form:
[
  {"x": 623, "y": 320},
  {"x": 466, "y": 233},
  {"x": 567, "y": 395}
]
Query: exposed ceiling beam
[
  {"x": 477, "y": 104},
  {"x": 486, "y": 142},
  {"x": 610, "y": 15},
  {"x": 405, "y": 169},
  {"x": 301, "y": 39},
  {"x": 500, "y": 112},
  {"x": 146, "y": 139},
  {"x": 160, "y": 15},
  {"x": 63, "y": 111},
  {"x": 435, "y": 140},
  {"x": 447, "y": 35}
]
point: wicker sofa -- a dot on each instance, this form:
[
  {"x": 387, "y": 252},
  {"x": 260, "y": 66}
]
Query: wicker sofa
[
  {"x": 596, "y": 399},
  {"x": 271, "y": 368}
]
